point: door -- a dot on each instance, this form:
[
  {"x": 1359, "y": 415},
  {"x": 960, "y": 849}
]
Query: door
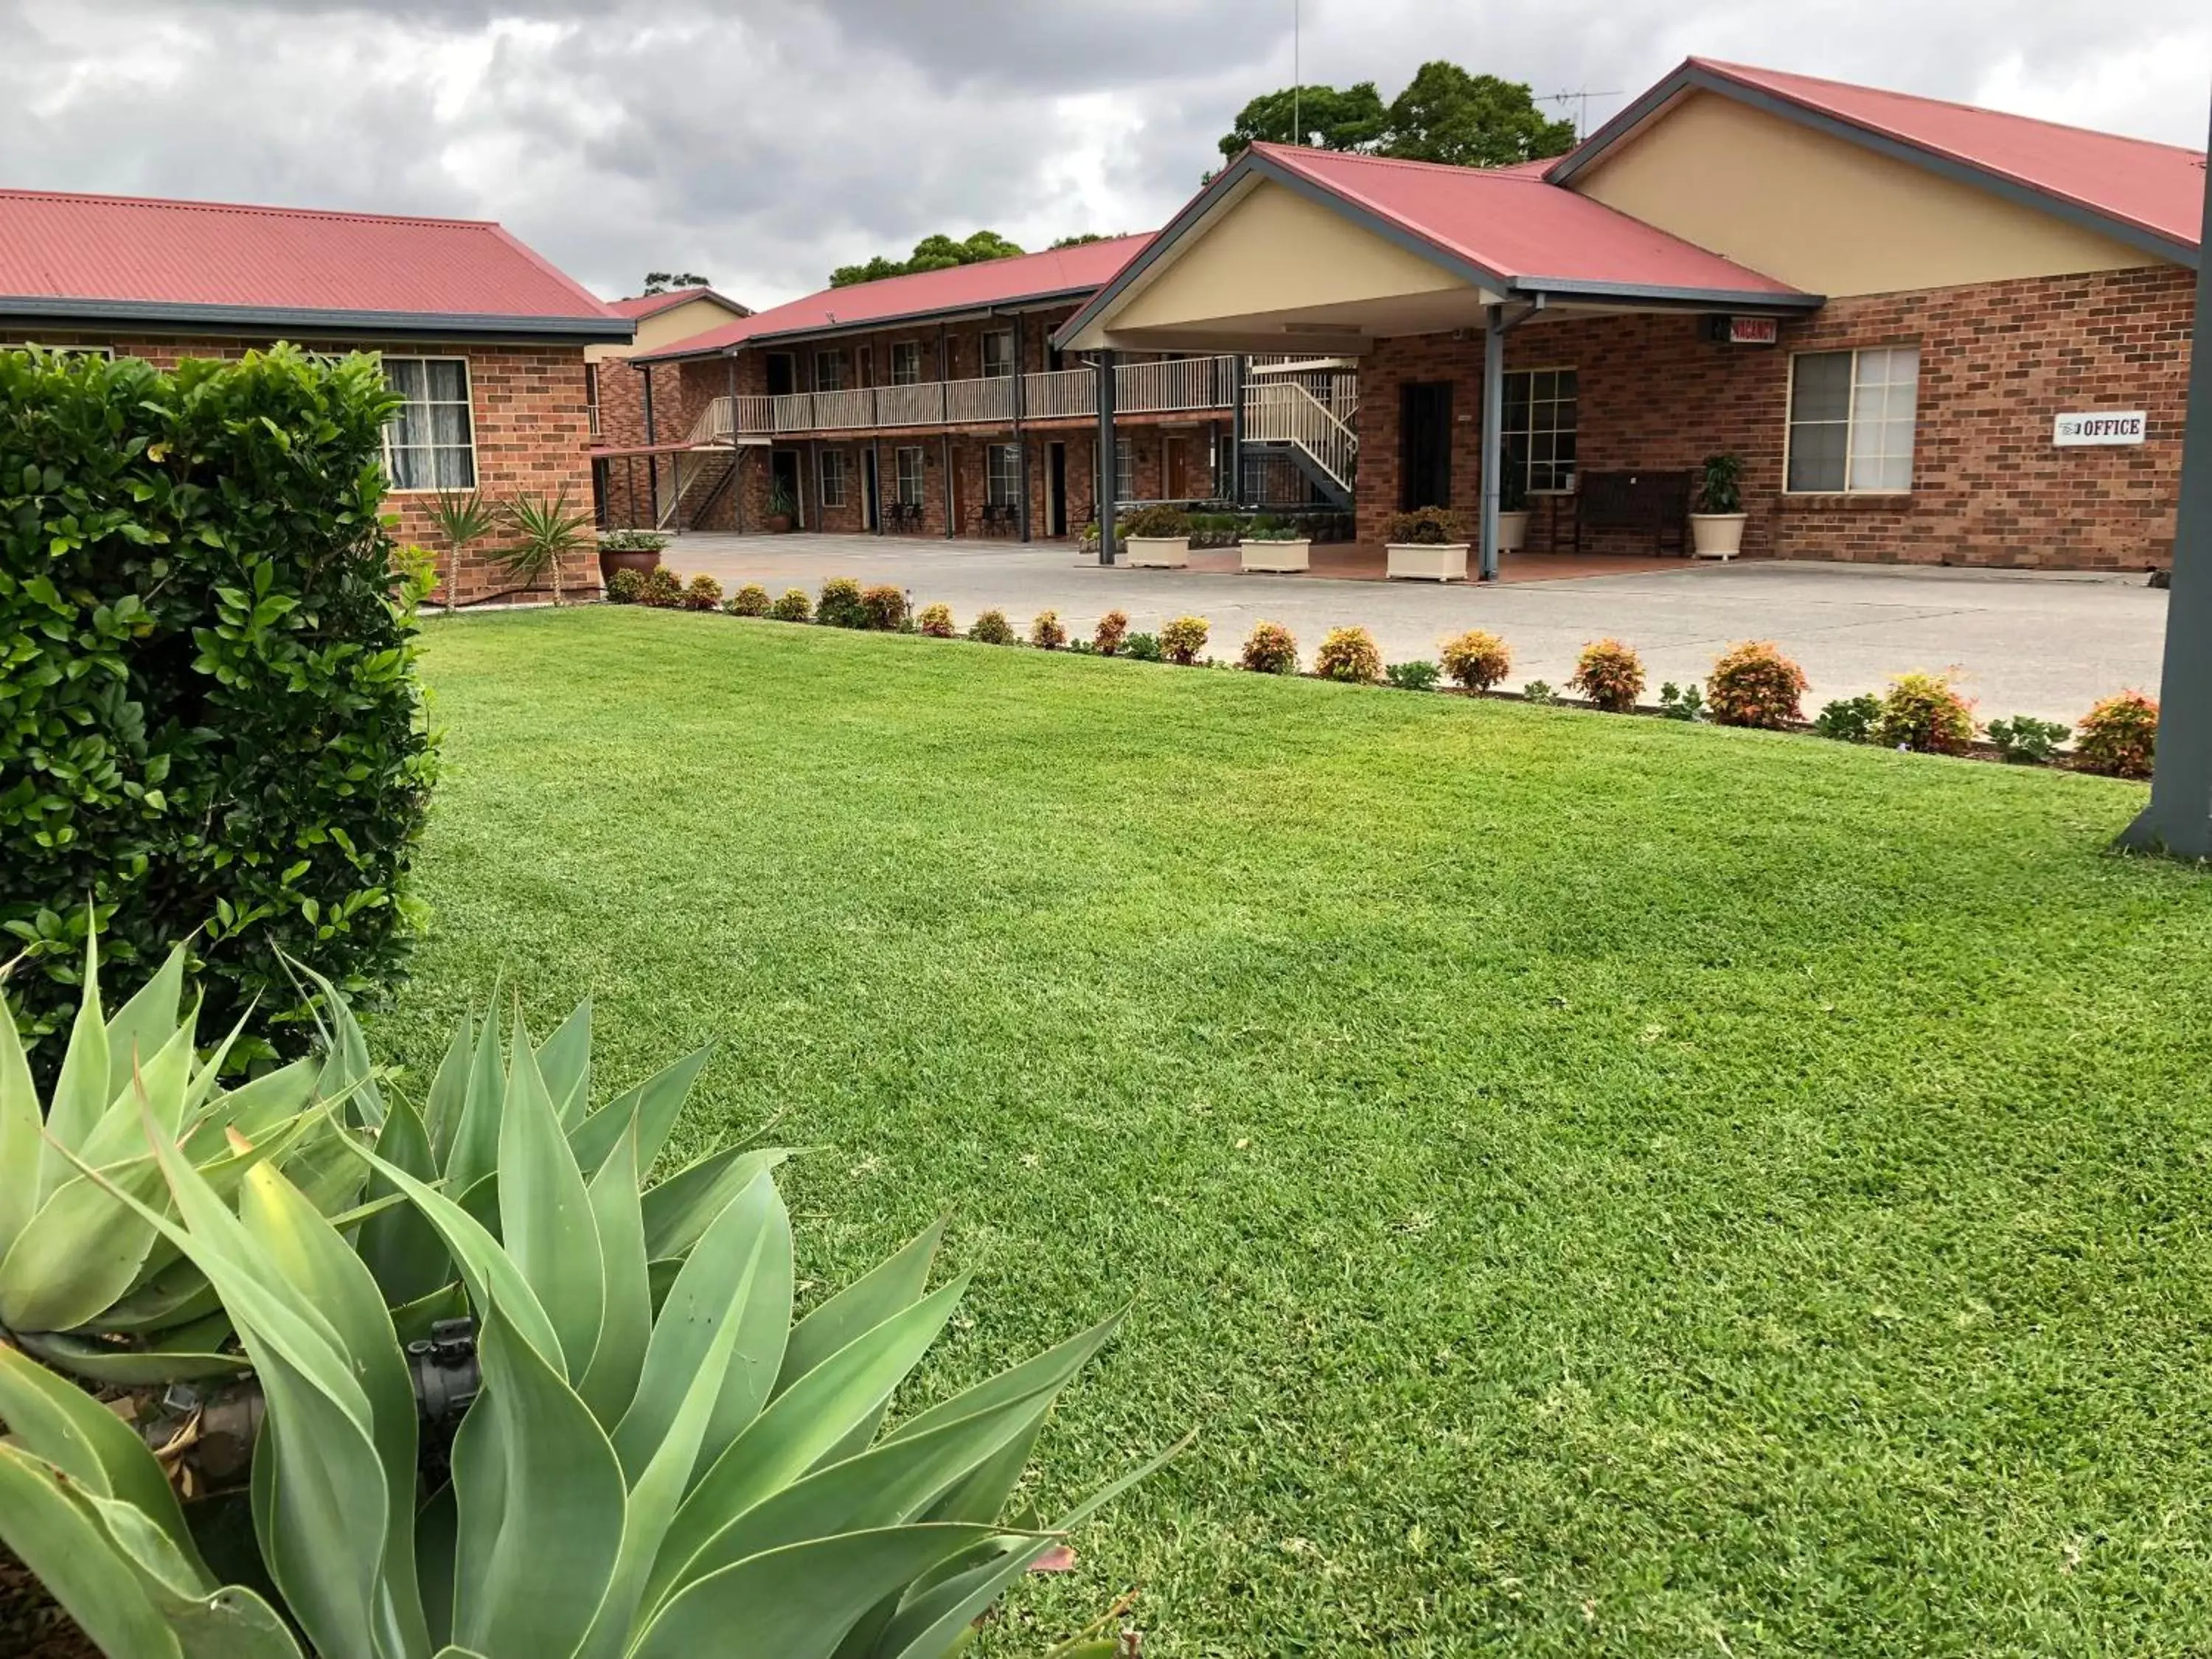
[
  {"x": 783, "y": 376},
  {"x": 783, "y": 480},
  {"x": 1056, "y": 489},
  {"x": 871, "y": 496},
  {"x": 1424, "y": 429},
  {"x": 1174, "y": 468}
]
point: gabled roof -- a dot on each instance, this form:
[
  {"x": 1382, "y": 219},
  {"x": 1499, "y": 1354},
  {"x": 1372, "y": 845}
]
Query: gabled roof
[
  {"x": 133, "y": 260},
  {"x": 1061, "y": 273},
  {"x": 2149, "y": 196},
  {"x": 639, "y": 306}
]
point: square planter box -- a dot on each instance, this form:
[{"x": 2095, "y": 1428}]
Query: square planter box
[
  {"x": 1158, "y": 552},
  {"x": 1422, "y": 561},
  {"x": 1275, "y": 555}
]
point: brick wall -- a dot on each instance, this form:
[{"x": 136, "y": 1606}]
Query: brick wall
[
  {"x": 1998, "y": 361},
  {"x": 528, "y": 407}
]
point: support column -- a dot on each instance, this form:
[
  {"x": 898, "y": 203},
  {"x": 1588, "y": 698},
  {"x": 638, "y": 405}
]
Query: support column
[
  {"x": 2179, "y": 820},
  {"x": 944, "y": 365},
  {"x": 876, "y": 480},
  {"x": 1021, "y": 440},
  {"x": 1493, "y": 437},
  {"x": 1106, "y": 503},
  {"x": 651, "y": 462},
  {"x": 1237, "y": 429},
  {"x": 945, "y": 441},
  {"x": 737, "y": 457}
]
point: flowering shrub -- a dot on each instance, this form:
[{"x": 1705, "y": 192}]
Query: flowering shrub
[
  {"x": 1925, "y": 713},
  {"x": 1610, "y": 675},
  {"x": 992, "y": 628},
  {"x": 793, "y": 606},
  {"x": 1754, "y": 684},
  {"x": 840, "y": 605},
  {"x": 1113, "y": 629},
  {"x": 1046, "y": 632},
  {"x": 883, "y": 608},
  {"x": 1349, "y": 655},
  {"x": 626, "y": 587},
  {"x": 662, "y": 589},
  {"x": 1420, "y": 675},
  {"x": 1271, "y": 650},
  {"x": 1849, "y": 719},
  {"x": 936, "y": 620},
  {"x": 1476, "y": 659},
  {"x": 2119, "y": 736},
  {"x": 1161, "y": 522},
  {"x": 1426, "y": 527},
  {"x": 751, "y": 600},
  {"x": 703, "y": 593},
  {"x": 1181, "y": 640}
]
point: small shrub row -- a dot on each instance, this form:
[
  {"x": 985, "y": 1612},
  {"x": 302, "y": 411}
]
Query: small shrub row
[{"x": 1925, "y": 713}]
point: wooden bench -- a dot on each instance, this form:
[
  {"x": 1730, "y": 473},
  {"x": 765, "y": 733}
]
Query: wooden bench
[{"x": 1647, "y": 501}]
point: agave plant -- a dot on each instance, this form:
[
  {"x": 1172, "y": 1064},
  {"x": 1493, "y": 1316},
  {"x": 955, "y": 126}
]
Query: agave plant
[
  {"x": 463, "y": 520},
  {"x": 548, "y": 532},
  {"x": 85, "y": 1283},
  {"x": 708, "y": 1479}
]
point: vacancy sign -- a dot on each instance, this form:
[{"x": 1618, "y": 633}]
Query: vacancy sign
[{"x": 2125, "y": 426}]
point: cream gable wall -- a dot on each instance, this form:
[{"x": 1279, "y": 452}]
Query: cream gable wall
[
  {"x": 666, "y": 328},
  {"x": 1827, "y": 216}
]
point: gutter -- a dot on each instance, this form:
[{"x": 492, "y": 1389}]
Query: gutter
[{"x": 224, "y": 319}]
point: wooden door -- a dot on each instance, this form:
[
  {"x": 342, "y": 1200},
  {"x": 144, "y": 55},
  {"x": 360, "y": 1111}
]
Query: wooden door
[{"x": 1174, "y": 468}]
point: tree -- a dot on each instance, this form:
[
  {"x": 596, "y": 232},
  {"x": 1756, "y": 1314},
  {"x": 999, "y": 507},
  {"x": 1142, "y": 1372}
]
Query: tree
[
  {"x": 1444, "y": 114},
  {"x": 660, "y": 282},
  {"x": 938, "y": 253},
  {"x": 1090, "y": 236}
]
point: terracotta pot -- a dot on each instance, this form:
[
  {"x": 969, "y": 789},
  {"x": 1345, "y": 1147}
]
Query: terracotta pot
[
  {"x": 779, "y": 523},
  {"x": 638, "y": 559}
]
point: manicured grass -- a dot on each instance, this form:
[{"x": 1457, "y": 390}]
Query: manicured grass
[{"x": 1598, "y": 1185}]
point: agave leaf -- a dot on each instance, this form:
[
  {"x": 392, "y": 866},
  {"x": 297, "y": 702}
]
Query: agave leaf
[
  {"x": 309, "y": 1254},
  {"x": 680, "y": 1208},
  {"x": 22, "y": 1134},
  {"x": 813, "y": 1416},
  {"x": 81, "y": 1092},
  {"x": 897, "y": 1282},
  {"x": 652, "y": 1105},
  {"x": 80, "y": 1252},
  {"x": 452, "y": 1652},
  {"x": 411, "y": 1321},
  {"x": 740, "y": 1274},
  {"x": 159, "y": 1078},
  {"x": 610, "y": 1382},
  {"x": 60, "y": 1543},
  {"x": 474, "y": 1152},
  {"x": 436, "y": 1528},
  {"x": 186, "y": 1353},
  {"x": 347, "y": 1073},
  {"x": 449, "y": 1089},
  {"x": 144, "y": 1025},
  {"x": 401, "y": 1248},
  {"x": 253, "y": 1109},
  {"x": 210, "y": 1622},
  {"x": 1050, "y": 1370},
  {"x": 796, "y": 1603},
  {"x": 545, "y": 1211},
  {"x": 565, "y": 1062},
  {"x": 542, "y": 1505}
]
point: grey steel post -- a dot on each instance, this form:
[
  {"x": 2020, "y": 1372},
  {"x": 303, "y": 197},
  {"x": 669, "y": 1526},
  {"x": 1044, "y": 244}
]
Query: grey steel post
[
  {"x": 1493, "y": 439},
  {"x": 1106, "y": 391},
  {"x": 1021, "y": 440},
  {"x": 651, "y": 462},
  {"x": 943, "y": 367},
  {"x": 876, "y": 480},
  {"x": 737, "y": 457},
  {"x": 2179, "y": 820},
  {"x": 1235, "y": 492},
  {"x": 945, "y": 441}
]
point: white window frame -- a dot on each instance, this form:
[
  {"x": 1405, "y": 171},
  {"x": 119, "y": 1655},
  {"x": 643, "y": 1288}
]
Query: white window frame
[
  {"x": 1124, "y": 469},
  {"x": 833, "y": 464},
  {"x": 1013, "y": 476},
  {"x": 104, "y": 352},
  {"x": 1508, "y": 433},
  {"x": 983, "y": 353},
  {"x": 834, "y": 354},
  {"x": 919, "y": 476},
  {"x": 468, "y": 403},
  {"x": 1850, "y": 422},
  {"x": 906, "y": 352}
]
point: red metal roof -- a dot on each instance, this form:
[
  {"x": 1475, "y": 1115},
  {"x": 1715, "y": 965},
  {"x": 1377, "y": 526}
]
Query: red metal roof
[
  {"x": 1508, "y": 222},
  {"x": 137, "y": 258},
  {"x": 1067, "y": 270},
  {"x": 639, "y": 306}
]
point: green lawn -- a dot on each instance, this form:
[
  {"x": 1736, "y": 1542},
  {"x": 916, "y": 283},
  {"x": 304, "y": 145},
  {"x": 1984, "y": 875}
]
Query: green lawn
[{"x": 1598, "y": 1185}]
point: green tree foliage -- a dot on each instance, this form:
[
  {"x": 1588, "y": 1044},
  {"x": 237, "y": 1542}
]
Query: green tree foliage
[
  {"x": 210, "y": 722},
  {"x": 1444, "y": 114},
  {"x": 938, "y": 253},
  {"x": 661, "y": 282}
]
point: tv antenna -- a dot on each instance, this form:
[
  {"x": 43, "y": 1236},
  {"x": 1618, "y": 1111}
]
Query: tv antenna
[
  {"x": 1298, "y": 78},
  {"x": 1580, "y": 97}
]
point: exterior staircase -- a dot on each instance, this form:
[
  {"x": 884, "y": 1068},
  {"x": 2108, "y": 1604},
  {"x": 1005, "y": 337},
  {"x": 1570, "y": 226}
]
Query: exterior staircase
[{"x": 1298, "y": 428}]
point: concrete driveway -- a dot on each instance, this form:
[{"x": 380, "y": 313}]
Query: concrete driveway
[{"x": 2049, "y": 645}]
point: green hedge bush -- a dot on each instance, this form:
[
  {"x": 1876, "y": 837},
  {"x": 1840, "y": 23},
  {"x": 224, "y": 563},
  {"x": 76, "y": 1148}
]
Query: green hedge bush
[{"x": 210, "y": 721}]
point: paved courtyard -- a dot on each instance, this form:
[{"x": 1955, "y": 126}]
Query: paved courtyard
[{"x": 2049, "y": 645}]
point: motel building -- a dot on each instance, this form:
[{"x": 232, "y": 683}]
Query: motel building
[{"x": 1932, "y": 333}]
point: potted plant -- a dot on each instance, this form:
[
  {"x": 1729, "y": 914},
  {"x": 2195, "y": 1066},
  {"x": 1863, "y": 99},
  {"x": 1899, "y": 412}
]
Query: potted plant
[
  {"x": 1269, "y": 544},
  {"x": 1512, "y": 509},
  {"x": 782, "y": 507},
  {"x": 1429, "y": 542},
  {"x": 630, "y": 550},
  {"x": 1717, "y": 522},
  {"x": 1158, "y": 537}
]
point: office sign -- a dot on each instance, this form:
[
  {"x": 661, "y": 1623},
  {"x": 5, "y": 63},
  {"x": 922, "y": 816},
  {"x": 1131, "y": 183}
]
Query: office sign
[
  {"x": 1753, "y": 330},
  {"x": 2125, "y": 426}
]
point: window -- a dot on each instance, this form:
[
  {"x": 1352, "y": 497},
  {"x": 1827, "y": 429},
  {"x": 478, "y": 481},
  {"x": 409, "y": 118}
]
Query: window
[
  {"x": 1539, "y": 430},
  {"x": 906, "y": 363},
  {"x": 107, "y": 352},
  {"x": 1851, "y": 415},
  {"x": 998, "y": 354},
  {"x": 829, "y": 371},
  {"x": 909, "y": 475},
  {"x": 430, "y": 442},
  {"x": 1125, "y": 472},
  {"x": 1002, "y": 475},
  {"x": 833, "y": 467}
]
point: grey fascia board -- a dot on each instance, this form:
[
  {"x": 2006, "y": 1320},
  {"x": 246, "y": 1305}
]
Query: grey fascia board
[
  {"x": 1692, "y": 79},
  {"x": 1733, "y": 299},
  {"x": 402, "y": 324},
  {"x": 877, "y": 326}
]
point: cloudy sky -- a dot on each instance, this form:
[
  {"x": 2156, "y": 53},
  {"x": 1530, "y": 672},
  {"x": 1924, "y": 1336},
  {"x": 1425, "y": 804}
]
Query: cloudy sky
[{"x": 762, "y": 142}]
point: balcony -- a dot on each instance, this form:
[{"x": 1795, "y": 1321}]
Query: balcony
[{"x": 1191, "y": 385}]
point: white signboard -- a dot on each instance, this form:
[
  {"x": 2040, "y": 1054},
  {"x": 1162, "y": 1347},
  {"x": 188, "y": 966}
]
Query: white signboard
[{"x": 2124, "y": 426}]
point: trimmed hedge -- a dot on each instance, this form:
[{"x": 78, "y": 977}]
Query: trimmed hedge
[{"x": 210, "y": 721}]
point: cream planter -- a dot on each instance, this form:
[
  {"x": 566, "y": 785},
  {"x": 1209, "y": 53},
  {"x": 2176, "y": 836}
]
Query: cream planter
[
  {"x": 1716, "y": 535},
  {"x": 1513, "y": 530},
  {"x": 1426, "y": 561},
  {"x": 1276, "y": 556},
  {"x": 1158, "y": 552}
]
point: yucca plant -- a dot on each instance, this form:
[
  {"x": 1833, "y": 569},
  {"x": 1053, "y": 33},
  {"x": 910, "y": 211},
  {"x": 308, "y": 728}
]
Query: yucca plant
[
  {"x": 708, "y": 1479},
  {"x": 85, "y": 1283},
  {"x": 463, "y": 520},
  {"x": 549, "y": 531}
]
